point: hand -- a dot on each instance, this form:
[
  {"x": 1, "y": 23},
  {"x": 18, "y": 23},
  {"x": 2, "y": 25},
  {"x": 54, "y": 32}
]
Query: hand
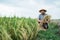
[{"x": 40, "y": 21}]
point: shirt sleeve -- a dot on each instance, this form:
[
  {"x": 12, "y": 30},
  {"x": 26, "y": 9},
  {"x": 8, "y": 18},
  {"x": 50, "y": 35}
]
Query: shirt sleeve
[{"x": 39, "y": 17}]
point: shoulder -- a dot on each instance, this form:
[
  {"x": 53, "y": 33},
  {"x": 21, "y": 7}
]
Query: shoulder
[
  {"x": 46, "y": 14},
  {"x": 40, "y": 14}
]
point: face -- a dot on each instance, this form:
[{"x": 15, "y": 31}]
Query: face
[{"x": 42, "y": 12}]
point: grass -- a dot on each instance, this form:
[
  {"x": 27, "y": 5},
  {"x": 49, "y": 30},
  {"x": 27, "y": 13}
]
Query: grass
[
  {"x": 50, "y": 34},
  {"x": 18, "y": 28},
  {"x": 26, "y": 29}
]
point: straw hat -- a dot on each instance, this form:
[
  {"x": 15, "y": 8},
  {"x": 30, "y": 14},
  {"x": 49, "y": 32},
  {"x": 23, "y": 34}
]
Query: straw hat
[{"x": 42, "y": 10}]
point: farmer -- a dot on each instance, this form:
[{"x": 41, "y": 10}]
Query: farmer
[{"x": 41, "y": 16}]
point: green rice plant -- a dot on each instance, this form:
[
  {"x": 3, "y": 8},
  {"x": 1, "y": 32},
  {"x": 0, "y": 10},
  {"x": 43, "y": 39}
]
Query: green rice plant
[
  {"x": 50, "y": 34},
  {"x": 18, "y": 28}
]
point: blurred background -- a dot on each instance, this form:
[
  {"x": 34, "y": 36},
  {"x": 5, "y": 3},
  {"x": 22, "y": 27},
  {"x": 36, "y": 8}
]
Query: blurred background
[{"x": 29, "y": 8}]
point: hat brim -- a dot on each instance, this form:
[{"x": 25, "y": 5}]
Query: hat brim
[{"x": 42, "y": 10}]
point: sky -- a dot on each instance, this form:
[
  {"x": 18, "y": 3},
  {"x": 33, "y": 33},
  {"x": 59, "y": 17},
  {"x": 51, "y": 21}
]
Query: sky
[{"x": 29, "y": 8}]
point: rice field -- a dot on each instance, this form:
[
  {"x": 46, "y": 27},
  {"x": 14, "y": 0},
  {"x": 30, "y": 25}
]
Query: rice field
[
  {"x": 18, "y": 28},
  {"x": 25, "y": 29}
]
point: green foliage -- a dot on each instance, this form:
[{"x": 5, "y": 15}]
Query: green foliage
[
  {"x": 18, "y": 28},
  {"x": 26, "y": 29},
  {"x": 50, "y": 34}
]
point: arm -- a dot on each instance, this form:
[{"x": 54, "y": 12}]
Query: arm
[{"x": 39, "y": 19}]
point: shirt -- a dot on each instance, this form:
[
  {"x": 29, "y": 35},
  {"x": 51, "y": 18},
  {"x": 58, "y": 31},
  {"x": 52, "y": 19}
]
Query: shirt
[{"x": 41, "y": 16}]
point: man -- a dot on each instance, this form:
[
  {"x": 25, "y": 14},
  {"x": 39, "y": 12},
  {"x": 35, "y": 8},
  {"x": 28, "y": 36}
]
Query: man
[{"x": 41, "y": 17}]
